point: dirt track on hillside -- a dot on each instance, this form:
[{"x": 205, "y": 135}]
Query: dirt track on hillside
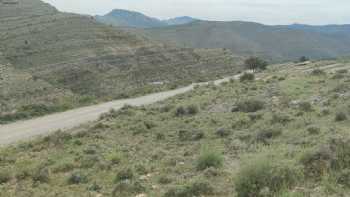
[{"x": 28, "y": 129}]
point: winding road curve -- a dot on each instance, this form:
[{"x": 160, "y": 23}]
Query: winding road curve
[{"x": 29, "y": 129}]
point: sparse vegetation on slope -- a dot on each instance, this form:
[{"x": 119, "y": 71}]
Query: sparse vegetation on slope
[
  {"x": 78, "y": 61},
  {"x": 291, "y": 145}
]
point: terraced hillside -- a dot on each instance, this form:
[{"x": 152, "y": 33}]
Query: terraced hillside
[
  {"x": 92, "y": 62},
  {"x": 278, "y": 43},
  {"x": 285, "y": 134}
]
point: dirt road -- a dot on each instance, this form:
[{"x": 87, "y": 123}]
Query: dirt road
[{"x": 28, "y": 129}]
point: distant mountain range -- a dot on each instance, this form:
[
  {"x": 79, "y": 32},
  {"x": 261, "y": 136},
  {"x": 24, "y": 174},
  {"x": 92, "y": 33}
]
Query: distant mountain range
[
  {"x": 126, "y": 18},
  {"x": 277, "y": 43}
]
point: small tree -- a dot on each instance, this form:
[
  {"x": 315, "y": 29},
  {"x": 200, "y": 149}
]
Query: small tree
[
  {"x": 303, "y": 59},
  {"x": 255, "y": 63}
]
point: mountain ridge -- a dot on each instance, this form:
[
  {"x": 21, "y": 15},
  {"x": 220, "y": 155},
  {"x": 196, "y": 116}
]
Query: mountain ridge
[{"x": 127, "y": 18}]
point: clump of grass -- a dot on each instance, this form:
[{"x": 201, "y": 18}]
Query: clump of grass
[
  {"x": 265, "y": 177},
  {"x": 209, "y": 158}
]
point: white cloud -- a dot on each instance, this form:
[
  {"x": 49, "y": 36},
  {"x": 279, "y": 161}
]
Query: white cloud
[{"x": 264, "y": 11}]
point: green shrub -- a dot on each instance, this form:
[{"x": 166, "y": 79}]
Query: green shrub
[
  {"x": 89, "y": 161},
  {"x": 126, "y": 188},
  {"x": 124, "y": 174},
  {"x": 317, "y": 162},
  {"x": 41, "y": 175},
  {"x": 340, "y": 116},
  {"x": 209, "y": 158},
  {"x": 180, "y": 111},
  {"x": 305, "y": 106},
  {"x": 164, "y": 180},
  {"x": 265, "y": 177},
  {"x": 5, "y": 175},
  {"x": 222, "y": 132},
  {"x": 77, "y": 177},
  {"x": 332, "y": 157},
  {"x": 313, "y": 130},
  {"x": 317, "y": 72},
  {"x": 58, "y": 138},
  {"x": 343, "y": 178},
  {"x": 280, "y": 118},
  {"x": 192, "y": 109},
  {"x": 265, "y": 135},
  {"x": 198, "y": 188},
  {"x": 250, "y": 105},
  {"x": 189, "y": 135},
  {"x": 247, "y": 77},
  {"x": 189, "y": 110}
]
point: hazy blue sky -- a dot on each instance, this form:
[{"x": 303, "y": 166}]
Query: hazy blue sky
[{"x": 264, "y": 11}]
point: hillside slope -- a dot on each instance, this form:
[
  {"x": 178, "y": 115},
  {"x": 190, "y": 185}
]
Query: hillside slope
[
  {"x": 95, "y": 62},
  {"x": 283, "y": 135},
  {"x": 277, "y": 43}
]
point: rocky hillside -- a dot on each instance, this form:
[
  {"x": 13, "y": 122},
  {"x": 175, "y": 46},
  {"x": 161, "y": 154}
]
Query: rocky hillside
[{"x": 76, "y": 54}]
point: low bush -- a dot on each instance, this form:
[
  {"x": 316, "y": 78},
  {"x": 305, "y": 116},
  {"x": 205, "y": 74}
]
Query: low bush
[
  {"x": 198, "y": 188},
  {"x": 188, "y": 110},
  {"x": 29, "y": 111},
  {"x": 340, "y": 116},
  {"x": 280, "y": 118},
  {"x": 77, "y": 177},
  {"x": 332, "y": 157},
  {"x": 305, "y": 106},
  {"x": 127, "y": 188},
  {"x": 317, "y": 72},
  {"x": 41, "y": 175},
  {"x": 190, "y": 135},
  {"x": 265, "y": 177},
  {"x": 222, "y": 132},
  {"x": 343, "y": 178},
  {"x": 5, "y": 175},
  {"x": 313, "y": 130},
  {"x": 124, "y": 174},
  {"x": 250, "y": 105},
  {"x": 265, "y": 135},
  {"x": 209, "y": 158},
  {"x": 247, "y": 77},
  {"x": 192, "y": 109}
]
